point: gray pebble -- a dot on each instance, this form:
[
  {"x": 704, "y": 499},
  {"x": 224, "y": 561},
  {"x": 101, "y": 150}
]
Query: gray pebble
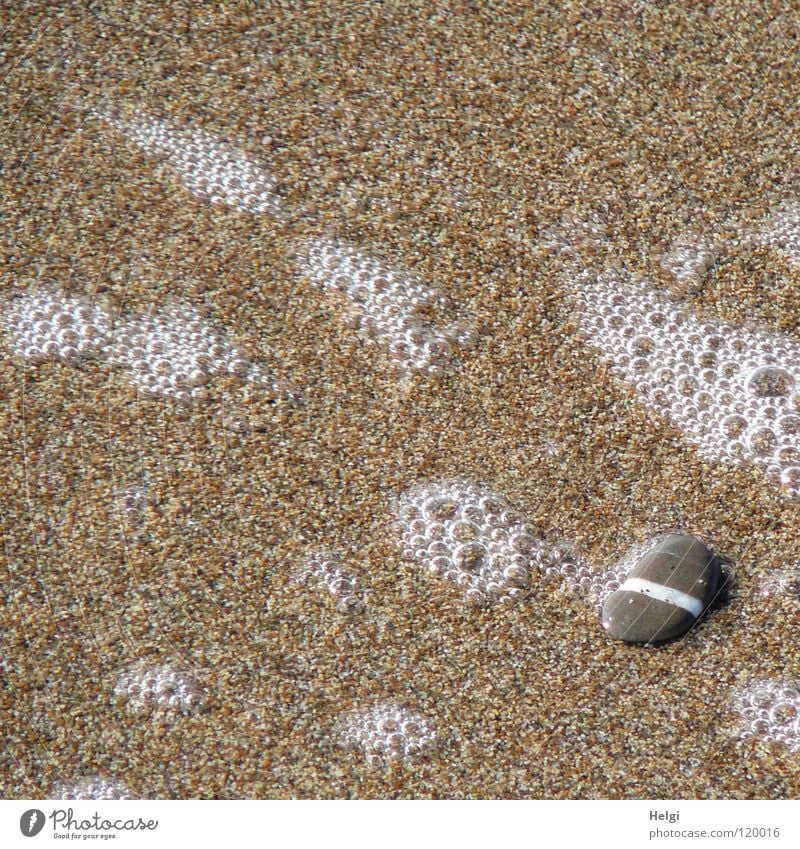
[{"x": 665, "y": 593}]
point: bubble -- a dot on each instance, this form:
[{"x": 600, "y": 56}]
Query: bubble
[
  {"x": 783, "y": 714},
  {"x": 641, "y": 346},
  {"x": 389, "y": 732},
  {"x": 770, "y": 382},
  {"x": 762, "y": 441},
  {"x": 207, "y": 167},
  {"x": 790, "y": 479},
  {"x": 435, "y": 531},
  {"x": 703, "y": 400},
  {"x": 389, "y": 304},
  {"x": 664, "y": 375},
  {"x": 144, "y": 688},
  {"x": 789, "y": 424},
  {"x": 732, "y": 390},
  {"x": 787, "y": 458},
  {"x": 463, "y": 531},
  {"x": 784, "y": 583},
  {"x": 440, "y": 509},
  {"x": 96, "y": 788},
  {"x": 523, "y": 542},
  {"x": 328, "y": 572},
  {"x": 689, "y": 259},
  {"x": 470, "y": 557},
  {"x": 771, "y": 710}
]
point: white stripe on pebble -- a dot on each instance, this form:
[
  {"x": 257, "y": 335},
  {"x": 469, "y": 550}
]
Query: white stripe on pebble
[{"x": 662, "y": 593}]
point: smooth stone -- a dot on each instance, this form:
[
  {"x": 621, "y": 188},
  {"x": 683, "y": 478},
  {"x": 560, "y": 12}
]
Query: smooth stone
[{"x": 665, "y": 593}]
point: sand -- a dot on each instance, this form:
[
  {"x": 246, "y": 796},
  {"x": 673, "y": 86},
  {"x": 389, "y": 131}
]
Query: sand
[{"x": 450, "y": 140}]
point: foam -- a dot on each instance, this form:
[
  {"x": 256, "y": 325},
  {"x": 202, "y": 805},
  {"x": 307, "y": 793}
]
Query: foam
[
  {"x": 174, "y": 353},
  {"x": 146, "y": 688},
  {"x": 734, "y": 391},
  {"x": 207, "y": 167},
  {"x": 470, "y": 535},
  {"x": 769, "y": 710},
  {"x": 333, "y": 576},
  {"x": 389, "y": 733},
  {"x": 48, "y": 325},
  {"x": 389, "y": 304},
  {"x": 94, "y": 787},
  {"x": 395, "y": 308}
]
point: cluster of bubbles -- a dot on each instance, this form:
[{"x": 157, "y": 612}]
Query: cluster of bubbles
[
  {"x": 146, "y": 688},
  {"x": 689, "y": 260},
  {"x": 469, "y": 535},
  {"x": 95, "y": 787},
  {"x": 207, "y": 167},
  {"x": 770, "y": 710},
  {"x": 393, "y": 307},
  {"x": 390, "y": 305},
  {"x": 48, "y": 325},
  {"x": 389, "y": 732},
  {"x": 734, "y": 391},
  {"x": 785, "y": 583},
  {"x": 330, "y": 573},
  {"x": 580, "y": 575},
  {"x": 174, "y": 353}
]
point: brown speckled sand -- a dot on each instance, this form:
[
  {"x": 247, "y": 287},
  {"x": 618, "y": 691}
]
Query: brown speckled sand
[{"x": 447, "y": 139}]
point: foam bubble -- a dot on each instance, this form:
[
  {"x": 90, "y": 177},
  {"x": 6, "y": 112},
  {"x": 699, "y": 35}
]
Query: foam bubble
[
  {"x": 389, "y": 733},
  {"x": 785, "y": 583},
  {"x": 174, "y": 352},
  {"x": 207, "y": 167},
  {"x": 389, "y": 304},
  {"x": 49, "y": 325},
  {"x": 146, "y": 688},
  {"x": 132, "y": 501},
  {"x": 94, "y": 787},
  {"x": 329, "y": 573},
  {"x": 735, "y": 392},
  {"x": 470, "y": 536},
  {"x": 689, "y": 259},
  {"x": 770, "y": 710}
]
